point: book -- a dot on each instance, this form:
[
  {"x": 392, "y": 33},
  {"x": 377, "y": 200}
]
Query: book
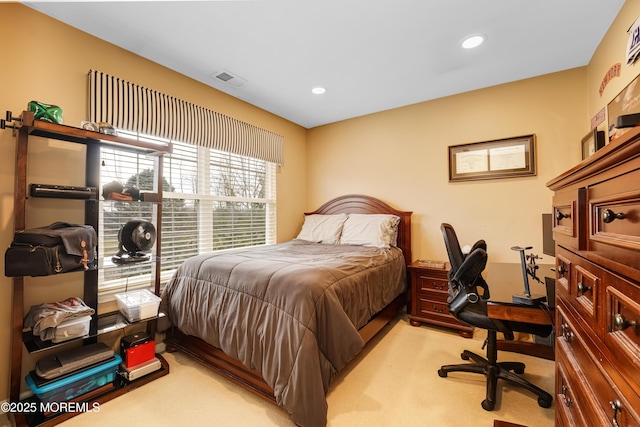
[{"x": 431, "y": 263}]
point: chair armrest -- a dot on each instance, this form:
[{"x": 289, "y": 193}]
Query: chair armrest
[{"x": 539, "y": 315}]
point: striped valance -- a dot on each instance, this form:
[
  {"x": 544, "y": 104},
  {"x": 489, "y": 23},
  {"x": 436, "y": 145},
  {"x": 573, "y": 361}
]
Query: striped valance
[{"x": 135, "y": 108}]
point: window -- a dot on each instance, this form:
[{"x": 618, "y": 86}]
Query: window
[{"x": 212, "y": 200}]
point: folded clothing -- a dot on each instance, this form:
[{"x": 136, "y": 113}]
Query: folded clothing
[{"x": 44, "y": 318}]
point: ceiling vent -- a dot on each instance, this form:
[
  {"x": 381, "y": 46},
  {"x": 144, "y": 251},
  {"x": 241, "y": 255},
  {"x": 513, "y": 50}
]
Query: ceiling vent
[{"x": 229, "y": 78}]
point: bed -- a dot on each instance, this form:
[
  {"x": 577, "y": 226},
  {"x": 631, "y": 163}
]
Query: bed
[{"x": 282, "y": 320}]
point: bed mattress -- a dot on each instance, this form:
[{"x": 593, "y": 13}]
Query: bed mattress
[{"x": 290, "y": 311}]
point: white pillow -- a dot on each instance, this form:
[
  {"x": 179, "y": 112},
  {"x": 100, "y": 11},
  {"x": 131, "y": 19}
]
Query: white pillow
[
  {"x": 377, "y": 230},
  {"x": 322, "y": 228}
]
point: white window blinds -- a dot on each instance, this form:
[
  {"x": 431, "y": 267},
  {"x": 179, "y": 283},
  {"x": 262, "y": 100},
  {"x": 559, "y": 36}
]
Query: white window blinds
[{"x": 212, "y": 201}]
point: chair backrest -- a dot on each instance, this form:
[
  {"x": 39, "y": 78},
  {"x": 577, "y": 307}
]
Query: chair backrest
[
  {"x": 457, "y": 257},
  {"x": 463, "y": 286}
]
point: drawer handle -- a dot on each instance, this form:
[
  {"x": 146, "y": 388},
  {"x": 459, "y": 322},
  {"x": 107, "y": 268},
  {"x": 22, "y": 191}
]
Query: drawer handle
[
  {"x": 617, "y": 407},
  {"x": 566, "y": 399},
  {"x": 437, "y": 309},
  {"x": 582, "y": 288},
  {"x": 620, "y": 323},
  {"x": 561, "y": 270},
  {"x": 609, "y": 216},
  {"x": 560, "y": 216},
  {"x": 566, "y": 333},
  {"x": 439, "y": 285}
]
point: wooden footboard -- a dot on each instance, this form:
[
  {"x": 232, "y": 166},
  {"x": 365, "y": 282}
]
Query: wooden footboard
[{"x": 215, "y": 359}]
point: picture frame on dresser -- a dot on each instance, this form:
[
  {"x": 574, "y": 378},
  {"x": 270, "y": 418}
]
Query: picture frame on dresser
[
  {"x": 621, "y": 105},
  {"x": 500, "y": 158},
  {"x": 592, "y": 142}
]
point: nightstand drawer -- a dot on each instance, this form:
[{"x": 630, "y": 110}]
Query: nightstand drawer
[
  {"x": 431, "y": 295},
  {"x": 428, "y": 283},
  {"x": 429, "y": 306}
]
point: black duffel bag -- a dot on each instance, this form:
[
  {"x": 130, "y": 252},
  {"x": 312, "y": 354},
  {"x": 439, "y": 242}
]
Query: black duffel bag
[{"x": 57, "y": 248}]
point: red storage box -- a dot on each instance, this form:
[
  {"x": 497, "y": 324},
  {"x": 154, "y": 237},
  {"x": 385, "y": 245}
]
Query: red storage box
[{"x": 139, "y": 354}]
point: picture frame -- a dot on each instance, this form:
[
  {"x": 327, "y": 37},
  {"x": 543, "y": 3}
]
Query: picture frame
[
  {"x": 500, "y": 158},
  {"x": 624, "y": 103},
  {"x": 592, "y": 142}
]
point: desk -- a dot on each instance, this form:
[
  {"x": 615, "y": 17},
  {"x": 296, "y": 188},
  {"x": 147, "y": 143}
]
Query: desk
[{"x": 504, "y": 281}]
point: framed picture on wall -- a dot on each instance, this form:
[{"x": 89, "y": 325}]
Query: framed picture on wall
[
  {"x": 501, "y": 158},
  {"x": 592, "y": 142}
]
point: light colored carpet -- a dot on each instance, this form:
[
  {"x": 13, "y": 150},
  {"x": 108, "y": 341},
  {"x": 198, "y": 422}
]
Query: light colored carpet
[{"x": 393, "y": 382}]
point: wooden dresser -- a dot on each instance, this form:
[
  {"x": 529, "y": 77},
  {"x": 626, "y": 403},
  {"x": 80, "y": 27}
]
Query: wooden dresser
[
  {"x": 596, "y": 215},
  {"x": 429, "y": 292}
]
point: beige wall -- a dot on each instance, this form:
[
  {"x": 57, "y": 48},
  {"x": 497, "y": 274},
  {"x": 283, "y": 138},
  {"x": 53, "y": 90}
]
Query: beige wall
[
  {"x": 399, "y": 155},
  {"x": 612, "y": 50},
  {"x": 48, "y": 61}
]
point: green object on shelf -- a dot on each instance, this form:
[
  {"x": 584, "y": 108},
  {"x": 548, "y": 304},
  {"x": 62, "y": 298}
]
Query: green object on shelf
[{"x": 46, "y": 112}]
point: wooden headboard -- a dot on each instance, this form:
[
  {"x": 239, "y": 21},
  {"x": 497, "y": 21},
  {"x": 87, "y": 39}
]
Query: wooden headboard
[{"x": 361, "y": 204}]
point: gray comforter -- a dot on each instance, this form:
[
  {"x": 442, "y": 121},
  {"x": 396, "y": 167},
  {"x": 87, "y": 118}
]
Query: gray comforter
[{"x": 290, "y": 311}]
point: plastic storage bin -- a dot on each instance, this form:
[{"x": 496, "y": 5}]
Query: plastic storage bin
[
  {"x": 72, "y": 328},
  {"x": 138, "y": 305},
  {"x": 74, "y": 385}
]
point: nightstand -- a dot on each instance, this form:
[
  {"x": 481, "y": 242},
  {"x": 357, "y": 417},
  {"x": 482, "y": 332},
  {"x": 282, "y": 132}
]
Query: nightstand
[{"x": 429, "y": 292}]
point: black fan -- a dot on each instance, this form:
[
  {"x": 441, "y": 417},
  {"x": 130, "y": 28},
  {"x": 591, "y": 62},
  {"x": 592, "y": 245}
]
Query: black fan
[{"x": 136, "y": 237}]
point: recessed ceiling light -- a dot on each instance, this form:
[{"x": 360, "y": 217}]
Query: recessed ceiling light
[
  {"x": 472, "y": 41},
  {"x": 318, "y": 90}
]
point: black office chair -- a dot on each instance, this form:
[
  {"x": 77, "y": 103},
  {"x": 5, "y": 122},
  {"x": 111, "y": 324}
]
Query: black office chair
[{"x": 465, "y": 277}]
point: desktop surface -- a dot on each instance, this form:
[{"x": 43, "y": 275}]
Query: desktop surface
[{"x": 505, "y": 280}]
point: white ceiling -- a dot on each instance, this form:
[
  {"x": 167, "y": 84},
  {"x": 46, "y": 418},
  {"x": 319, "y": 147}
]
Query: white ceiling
[{"x": 371, "y": 55}]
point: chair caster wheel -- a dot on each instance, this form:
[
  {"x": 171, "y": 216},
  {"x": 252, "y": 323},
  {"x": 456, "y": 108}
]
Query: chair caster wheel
[
  {"x": 544, "y": 402},
  {"x": 487, "y": 405},
  {"x": 442, "y": 373},
  {"x": 463, "y": 356},
  {"x": 518, "y": 371}
]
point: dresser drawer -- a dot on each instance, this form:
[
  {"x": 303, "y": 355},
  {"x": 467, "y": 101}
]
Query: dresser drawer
[
  {"x": 564, "y": 267},
  {"x": 580, "y": 284},
  {"x": 622, "y": 336},
  {"x": 569, "y": 411},
  {"x": 568, "y": 217},
  {"x": 592, "y": 387},
  {"x": 614, "y": 212},
  {"x": 586, "y": 291}
]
